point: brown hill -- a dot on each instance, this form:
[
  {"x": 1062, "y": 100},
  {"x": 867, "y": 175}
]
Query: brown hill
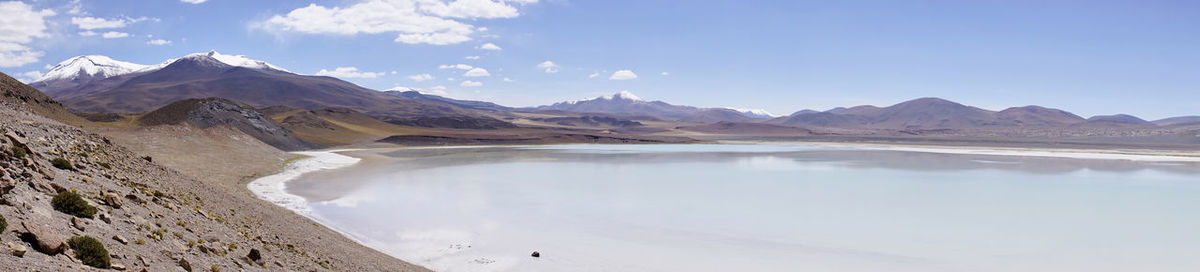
[
  {"x": 1038, "y": 116},
  {"x": 746, "y": 129},
  {"x": 929, "y": 113},
  {"x": 17, "y": 93},
  {"x": 211, "y": 112},
  {"x": 335, "y": 127}
]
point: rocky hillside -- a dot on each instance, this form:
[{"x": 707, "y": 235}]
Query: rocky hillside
[
  {"x": 210, "y": 112},
  {"x": 59, "y": 184},
  {"x": 25, "y": 97}
]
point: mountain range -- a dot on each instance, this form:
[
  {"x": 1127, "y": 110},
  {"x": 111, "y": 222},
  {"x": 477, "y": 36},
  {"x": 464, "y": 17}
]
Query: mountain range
[
  {"x": 627, "y": 104},
  {"x": 83, "y": 85},
  {"x": 101, "y": 84}
]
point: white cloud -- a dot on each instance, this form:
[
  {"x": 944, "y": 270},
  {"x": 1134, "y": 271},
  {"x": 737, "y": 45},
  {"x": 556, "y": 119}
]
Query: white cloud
[
  {"x": 456, "y": 66},
  {"x": 158, "y": 42},
  {"x": 413, "y": 21},
  {"x": 30, "y": 76},
  {"x": 76, "y": 8},
  {"x": 91, "y": 23},
  {"x": 348, "y": 72},
  {"x": 477, "y": 72},
  {"x": 470, "y": 9},
  {"x": 421, "y": 77},
  {"x": 468, "y": 83},
  {"x": 623, "y": 75},
  {"x": 508, "y": 80},
  {"x": 489, "y": 46},
  {"x": 594, "y": 75},
  {"x": 88, "y": 33},
  {"x": 193, "y": 1},
  {"x": 471, "y": 57},
  {"x": 549, "y": 66},
  {"x": 19, "y": 25},
  {"x": 97, "y": 23},
  {"x": 438, "y": 88},
  {"x": 114, "y": 35},
  {"x": 665, "y": 73}
]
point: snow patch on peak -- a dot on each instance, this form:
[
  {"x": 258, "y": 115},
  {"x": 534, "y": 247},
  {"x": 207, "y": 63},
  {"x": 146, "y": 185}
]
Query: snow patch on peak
[
  {"x": 232, "y": 60},
  {"x": 90, "y": 65},
  {"x": 624, "y": 95},
  {"x": 402, "y": 89},
  {"x": 756, "y": 112}
]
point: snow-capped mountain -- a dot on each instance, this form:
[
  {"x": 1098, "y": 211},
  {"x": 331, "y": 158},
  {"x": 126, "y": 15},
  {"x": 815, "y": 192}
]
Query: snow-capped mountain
[
  {"x": 78, "y": 72},
  {"x": 89, "y": 67},
  {"x": 759, "y": 113},
  {"x": 231, "y": 60},
  {"x": 628, "y": 104}
]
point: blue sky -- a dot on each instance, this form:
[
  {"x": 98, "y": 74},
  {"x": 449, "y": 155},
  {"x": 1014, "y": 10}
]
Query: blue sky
[{"x": 1088, "y": 57}]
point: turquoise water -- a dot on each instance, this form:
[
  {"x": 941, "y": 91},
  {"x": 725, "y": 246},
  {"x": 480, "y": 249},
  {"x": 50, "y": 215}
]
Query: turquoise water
[{"x": 764, "y": 208}]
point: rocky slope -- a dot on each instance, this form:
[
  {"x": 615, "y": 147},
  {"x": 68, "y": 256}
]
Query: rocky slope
[
  {"x": 148, "y": 217},
  {"x": 211, "y": 112}
]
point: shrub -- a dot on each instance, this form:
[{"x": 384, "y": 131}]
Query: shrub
[
  {"x": 139, "y": 241},
  {"x": 89, "y": 251},
  {"x": 18, "y": 151},
  {"x": 61, "y": 163},
  {"x": 3, "y": 223},
  {"x": 71, "y": 203},
  {"x": 105, "y": 165}
]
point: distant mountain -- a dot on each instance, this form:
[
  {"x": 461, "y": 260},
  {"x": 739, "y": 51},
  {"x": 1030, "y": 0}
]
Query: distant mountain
[
  {"x": 1182, "y": 120},
  {"x": 211, "y": 112},
  {"x": 417, "y": 94},
  {"x": 928, "y": 113},
  {"x": 1118, "y": 119},
  {"x": 77, "y": 71},
  {"x": 627, "y": 104},
  {"x": 757, "y": 113},
  {"x": 1038, "y": 116},
  {"x": 258, "y": 84}
]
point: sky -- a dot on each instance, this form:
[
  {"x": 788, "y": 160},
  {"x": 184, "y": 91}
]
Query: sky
[{"x": 1087, "y": 57}]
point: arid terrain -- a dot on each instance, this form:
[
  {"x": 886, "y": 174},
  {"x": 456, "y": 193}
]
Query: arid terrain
[
  {"x": 148, "y": 217},
  {"x": 165, "y": 155}
]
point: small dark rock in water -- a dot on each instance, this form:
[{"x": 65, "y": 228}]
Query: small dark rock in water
[{"x": 536, "y": 254}]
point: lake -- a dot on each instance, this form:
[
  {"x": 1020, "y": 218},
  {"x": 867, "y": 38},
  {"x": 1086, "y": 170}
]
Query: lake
[{"x": 758, "y": 207}]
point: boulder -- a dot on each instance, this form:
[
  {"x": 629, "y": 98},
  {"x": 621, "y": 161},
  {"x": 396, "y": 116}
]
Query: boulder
[
  {"x": 48, "y": 241},
  {"x": 183, "y": 263},
  {"x": 254, "y": 256},
  {"x": 116, "y": 266},
  {"x": 120, "y": 239},
  {"x": 135, "y": 199},
  {"x": 112, "y": 200},
  {"x": 536, "y": 254},
  {"x": 78, "y": 224},
  {"x": 16, "y": 249}
]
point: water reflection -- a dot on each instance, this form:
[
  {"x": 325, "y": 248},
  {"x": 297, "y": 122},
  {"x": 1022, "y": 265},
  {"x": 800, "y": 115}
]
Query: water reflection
[{"x": 761, "y": 208}]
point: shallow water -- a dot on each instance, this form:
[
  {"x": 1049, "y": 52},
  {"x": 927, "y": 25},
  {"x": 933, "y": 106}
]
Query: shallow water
[{"x": 761, "y": 208}]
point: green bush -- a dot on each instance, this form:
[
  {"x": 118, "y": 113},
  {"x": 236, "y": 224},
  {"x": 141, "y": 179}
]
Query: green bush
[
  {"x": 61, "y": 163},
  {"x": 89, "y": 251},
  {"x": 18, "y": 151},
  {"x": 3, "y": 223},
  {"x": 105, "y": 165},
  {"x": 71, "y": 203}
]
